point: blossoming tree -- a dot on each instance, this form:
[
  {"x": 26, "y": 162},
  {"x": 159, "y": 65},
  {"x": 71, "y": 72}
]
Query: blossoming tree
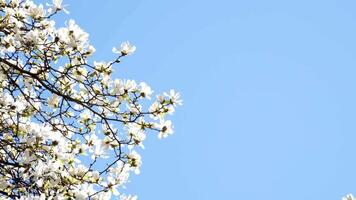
[{"x": 67, "y": 129}]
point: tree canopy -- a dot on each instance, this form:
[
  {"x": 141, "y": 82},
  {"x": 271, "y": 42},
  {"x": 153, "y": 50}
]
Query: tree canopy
[{"x": 68, "y": 129}]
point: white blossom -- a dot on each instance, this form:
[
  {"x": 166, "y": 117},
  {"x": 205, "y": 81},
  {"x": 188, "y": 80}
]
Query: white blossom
[
  {"x": 174, "y": 97},
  {"x": 36, "y": 11},
  {"x": 165, "y": 127},
  {"x": 125, "y": 49},
  {"x": 58, "y": 108},
  {"x": 57, "y": 5},
  {"x": 348, "y": 197},
  {"x": 53, "y": 101},
  {"x": 145, "y": 90}
]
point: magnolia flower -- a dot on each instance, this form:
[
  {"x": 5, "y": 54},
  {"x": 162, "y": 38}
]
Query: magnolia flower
[
  {"x": 80, "y": 170},
  {"x": 135, "y": 161},
  {"x": 348, "y": 197},
  {"x": 125, "y": 49},
  {"x": 174, "y": 98},
  {"x": 32, "y": 36},
  {"x": 145, "y": 90},
  {"x": 155, "y": 110},
  {"x": 19, "y": 106},
  {"x": 53, "y": 101},
  {"x": 58, "y": 110},
  {"x": 99, "y": 151},
  {"x": 36, "y": 11},
  {"x": 165, "y": 127},
  {"x": 136, "y": 131},
  {"x": 85, "y": 116},
  {"x": 90, "y": 50},
  {"x": 130, "y": 85},
  {"x": 102, "y": 67},
  {"x": 112, "y": 186},
  {"x": 57, "y": 5}
]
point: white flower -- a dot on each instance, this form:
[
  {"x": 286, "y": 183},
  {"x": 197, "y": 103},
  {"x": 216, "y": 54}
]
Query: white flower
[
  {"x": 53, "y": 101},
  {"x": 68, "y": 110},
  {"x": 146, "y": 90},
  {"x": 125, "y": 49},
  {"x": 36, "y": 11},
  {"x": 112, "y": 186},
  {"x": 348, "y": 197},
  {"x": 85, "y": 115},
  {"x": 19, "y": 105},
  {"x": 103, "y": 67},
  {"x": 134, "y": 159},
  {"x": 130, "y": 85},
  {"x": 99, "y": 151},
  {"x": 57, "y": 5},
  {"x": 154, "y": 109},
  {"x": 174, "y": 97},
  {"x": 80, "y": 170},
  {"x": 32, "y": 36},
  {"x": 137, "y": 133},
  {"x": 165, "y": 127}
]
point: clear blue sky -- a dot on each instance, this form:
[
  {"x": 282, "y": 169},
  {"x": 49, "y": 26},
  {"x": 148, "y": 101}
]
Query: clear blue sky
[{"x": 269, "y": 94}]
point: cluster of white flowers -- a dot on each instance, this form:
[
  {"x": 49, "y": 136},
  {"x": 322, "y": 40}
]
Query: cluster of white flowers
[{"x": 67, "y": 129}]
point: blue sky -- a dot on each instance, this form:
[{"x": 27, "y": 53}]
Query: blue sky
[{"x": 269, "y": 94}]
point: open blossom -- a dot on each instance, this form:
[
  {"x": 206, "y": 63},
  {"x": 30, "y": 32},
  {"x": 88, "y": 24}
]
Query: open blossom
[
  {"x": 32, "y": 36},
  {"x": 135, "y": 161},
  {"x": 112, "y": 186},
  {"x": 36, "y": 11},
  {"x": 348, "y": 197},
  {"x": 53, "y": 101},
  {"x": 58, "y": 109},
  {"x": 57, "y": 5},
  {"x": 146, "y": 90},
  {"x": 125, "y": 49},
  {"x": 165, "y": 127},
  {"x": 174, "y": 97},
  {"x": 103, "y": 67}
]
